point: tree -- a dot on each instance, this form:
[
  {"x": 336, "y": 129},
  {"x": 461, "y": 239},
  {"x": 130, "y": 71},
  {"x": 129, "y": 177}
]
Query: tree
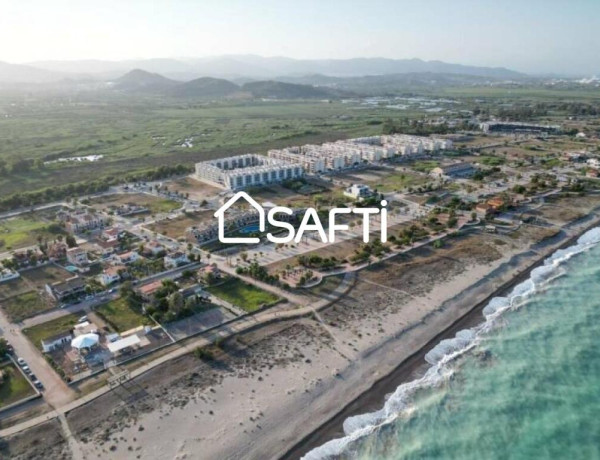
[
  {"x": 126, "y": 290},
  {"x": 176, "y": 302},
  {"x": 71, "y": 242},
  {"x": 3, "y": 347}
]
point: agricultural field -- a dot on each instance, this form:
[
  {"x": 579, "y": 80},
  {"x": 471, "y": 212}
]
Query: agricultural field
[
  {"x": 120, "y": 316},
  {"x": 51, "y": 328},
  {"x": 148, "y": 133},
  {"x": 26, "y": 230},
  {"x": 154, "y": 204},
  {"x": 13, "y": 385},
  {"x": 243, "y": 295},
  {"x": 25, "y": 305}
]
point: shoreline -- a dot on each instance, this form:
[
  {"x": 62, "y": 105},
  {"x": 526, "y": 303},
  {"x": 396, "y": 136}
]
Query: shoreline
[{"x": 374, "y": 397}]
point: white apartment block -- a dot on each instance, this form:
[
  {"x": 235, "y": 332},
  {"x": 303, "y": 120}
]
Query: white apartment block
[
  {"x": 317, "y": 158},
  {"x": 415, "y": 144},
  {"x": 247, "y": 170},
  {"x": 311, "y": 164}
]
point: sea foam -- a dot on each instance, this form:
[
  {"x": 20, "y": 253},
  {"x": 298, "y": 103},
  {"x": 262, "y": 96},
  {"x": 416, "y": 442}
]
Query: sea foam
[{"x": 442, "y": 355}]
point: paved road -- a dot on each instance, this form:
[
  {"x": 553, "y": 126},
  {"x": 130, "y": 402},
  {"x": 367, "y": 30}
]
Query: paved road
[{"x": 57, "y": 392}]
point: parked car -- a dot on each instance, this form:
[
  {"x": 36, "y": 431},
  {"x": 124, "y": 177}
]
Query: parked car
[
  {"x": 26, "y": 370},
  {"x": 21, "y": 362},
  {"x": 38, "y": 384},
  {"x": 32, "y": 377}
]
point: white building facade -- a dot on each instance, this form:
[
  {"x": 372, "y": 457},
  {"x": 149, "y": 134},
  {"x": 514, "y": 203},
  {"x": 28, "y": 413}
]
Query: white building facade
[{"x": 247, "y": 170}]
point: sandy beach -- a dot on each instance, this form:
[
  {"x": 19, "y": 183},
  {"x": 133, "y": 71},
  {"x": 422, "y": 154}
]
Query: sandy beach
[{"x": 263, "y": 394}]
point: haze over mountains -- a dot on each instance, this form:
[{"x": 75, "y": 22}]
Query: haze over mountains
[
  {"x": 239, "y": 66},
  {"x": 141, "y": 81}
]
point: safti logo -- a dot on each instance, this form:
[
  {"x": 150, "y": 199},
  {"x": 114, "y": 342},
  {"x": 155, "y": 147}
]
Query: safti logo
[{"x": 305, "y": 225}]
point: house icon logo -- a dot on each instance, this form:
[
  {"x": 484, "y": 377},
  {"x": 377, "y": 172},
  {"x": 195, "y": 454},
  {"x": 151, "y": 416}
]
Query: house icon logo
[{"x": 220, "y": 214}]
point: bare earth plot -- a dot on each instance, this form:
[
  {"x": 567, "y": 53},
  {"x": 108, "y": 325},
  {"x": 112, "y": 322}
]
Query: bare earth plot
[
  {"x": 47, "y": 274},
  {"x": 197, "y": 190},
  {"x": 153, "y": 203},
  {"x": 177, "y": 226}
]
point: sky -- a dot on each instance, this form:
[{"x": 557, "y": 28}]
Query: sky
[{"x": 534, "y": 36}]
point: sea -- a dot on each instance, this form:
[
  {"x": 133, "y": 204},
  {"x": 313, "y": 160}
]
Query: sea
[{"x": 524, "y": 384}]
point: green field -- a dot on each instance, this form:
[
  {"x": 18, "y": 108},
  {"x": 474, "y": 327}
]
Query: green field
[
  {"x": 243, "y": 295},
  {"x": 137, "y": 133},
  {"x": 23, "y": 306},
  {"x": 51, "y": 328},
  {"x": 14, "y": 386},
  {"x": 398, "y": 181},
  {"x": 19, "y": 232},
  {"x": 424, "y": 166},
  {"x": 121, "y": 316}
]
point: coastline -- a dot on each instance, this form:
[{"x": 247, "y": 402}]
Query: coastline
[{"x": 410, "y": 368}]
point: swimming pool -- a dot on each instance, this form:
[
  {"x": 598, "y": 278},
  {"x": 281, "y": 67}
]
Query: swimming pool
[{"x": 253, "y": 228}]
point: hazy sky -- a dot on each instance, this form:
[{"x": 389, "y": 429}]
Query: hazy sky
[{"x": 526, "y": 35}]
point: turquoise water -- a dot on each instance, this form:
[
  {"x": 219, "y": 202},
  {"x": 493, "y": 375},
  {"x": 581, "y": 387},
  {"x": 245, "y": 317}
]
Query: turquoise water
[
  {"x": 523, "y": 385},
  {"x": 252, "y": 228}
]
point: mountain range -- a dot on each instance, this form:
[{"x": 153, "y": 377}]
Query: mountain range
[
  {"x": 239, "y": 66},
  {"x": 141, "y": 81}
]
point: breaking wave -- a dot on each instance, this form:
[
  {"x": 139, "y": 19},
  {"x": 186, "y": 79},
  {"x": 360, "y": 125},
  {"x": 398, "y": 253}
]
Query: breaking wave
[{"x": 444, "y": 353}]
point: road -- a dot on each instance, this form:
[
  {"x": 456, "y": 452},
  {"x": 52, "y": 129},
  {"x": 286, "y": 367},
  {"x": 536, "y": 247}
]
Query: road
[{"x": 57, "y": 392}]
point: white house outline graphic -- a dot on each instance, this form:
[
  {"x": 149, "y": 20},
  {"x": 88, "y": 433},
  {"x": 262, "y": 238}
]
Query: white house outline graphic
[{"x": 220, "y": 214}]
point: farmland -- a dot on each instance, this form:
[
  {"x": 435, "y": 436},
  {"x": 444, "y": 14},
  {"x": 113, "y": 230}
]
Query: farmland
[
  {"x": 25, "y": 230},
  {"x": 147, "y": 133}
]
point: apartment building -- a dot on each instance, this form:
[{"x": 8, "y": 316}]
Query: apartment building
[
  {"x": 247, "y": 170},
  {"x": 80, "y": 221},
  {"x": 311, "y": 164},
  {"x": 406, "y": 144},
  {"x": 515, "y": 127}
]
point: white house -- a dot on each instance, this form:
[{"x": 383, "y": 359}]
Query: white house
[
  {"x": 56, "y": 341},
  {"x": 175, "y": 259},
  {"x": 358, "y": 191},
  {"x": 126, "y": 258},
  {"x": 77, "y": 257},
  {"x": 110, "y": 275},
  {"x": 153, "y": 248},
  {"x": 594, "y": 163}
]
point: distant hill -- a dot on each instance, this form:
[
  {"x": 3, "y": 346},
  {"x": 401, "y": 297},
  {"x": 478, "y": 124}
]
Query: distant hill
[
  {"x": 282, "y": 90},
  {"x": 16, "y": 73},
  {"x": 139, "y": 80},
  {"x": 384, "y": 84},
  {"x": 262, "y": 68},
  {"x": 205, "y": 87}
]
